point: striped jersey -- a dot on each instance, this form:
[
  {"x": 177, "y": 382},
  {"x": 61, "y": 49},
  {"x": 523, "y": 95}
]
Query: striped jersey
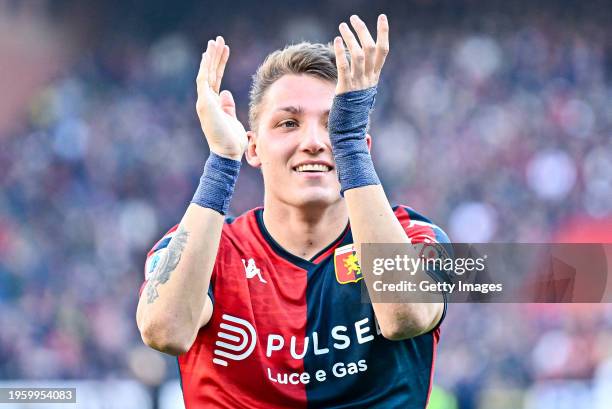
[{"x": 287, "y": 332}]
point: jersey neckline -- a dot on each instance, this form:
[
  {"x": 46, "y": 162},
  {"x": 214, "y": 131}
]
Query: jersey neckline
[{"x": 290, "y": 257}]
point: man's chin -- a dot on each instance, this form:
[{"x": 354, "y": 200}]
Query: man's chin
[{"x": 314, "y": 198}]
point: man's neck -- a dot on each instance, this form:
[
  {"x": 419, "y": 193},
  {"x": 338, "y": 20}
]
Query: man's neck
[{"x": 304, "y": 232}]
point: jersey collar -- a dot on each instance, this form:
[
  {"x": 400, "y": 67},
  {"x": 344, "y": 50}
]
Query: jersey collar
[{"x": 292, "y": 258}]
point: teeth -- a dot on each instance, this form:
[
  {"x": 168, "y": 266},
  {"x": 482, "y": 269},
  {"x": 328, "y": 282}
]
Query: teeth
[{"x": 312, "y": 168}]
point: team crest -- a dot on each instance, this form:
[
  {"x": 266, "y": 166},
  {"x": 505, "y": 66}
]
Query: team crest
[
  {"x": 346, "y": 265},
  {"x": 431, "y": 250}
]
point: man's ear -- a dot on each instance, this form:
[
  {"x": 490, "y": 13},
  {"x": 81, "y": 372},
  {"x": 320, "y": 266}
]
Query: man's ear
[
  {"x": 369, "y": 141},
  {"x": 251, "y": 152}
]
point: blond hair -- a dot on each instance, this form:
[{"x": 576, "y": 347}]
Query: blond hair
[{"x": 317, "y": 60}]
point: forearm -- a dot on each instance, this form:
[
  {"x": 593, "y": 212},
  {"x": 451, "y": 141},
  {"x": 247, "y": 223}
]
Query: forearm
[
  {"x": 372, "y": 218},
  {"x": 172, "y": 303},
  {"x": 373, "y": 221}
]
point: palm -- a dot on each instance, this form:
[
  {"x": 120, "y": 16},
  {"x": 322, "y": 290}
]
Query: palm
[
  {"x": 225, "y": 134},
  {"x": 367, "y": 56}
]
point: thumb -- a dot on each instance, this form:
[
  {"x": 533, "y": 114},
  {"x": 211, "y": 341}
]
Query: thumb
[{"x": 227, "y": 103}]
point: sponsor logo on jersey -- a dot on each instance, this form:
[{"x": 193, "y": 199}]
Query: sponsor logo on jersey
[
  {"x": 236, "y": 340},
  {"x": 242, "y": 337},
  {"x": 346, "y": 265}
]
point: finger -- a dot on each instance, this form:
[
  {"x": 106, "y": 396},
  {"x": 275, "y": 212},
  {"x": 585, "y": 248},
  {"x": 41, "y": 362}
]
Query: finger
[
  {"x": 205, "y": 66},
  {"x": 227, "y": 103},
  {"x": 221, "y": 67},
  {"x": 219, "y": 46},
  {"x": 357, "y": 56},
  {"x": 382, "y": 43},
  {"x": 211, "y": 51},
  {"x": 342, "y": 64},
  {"x": 367, "y": 42},
  {"x": 202, "y": 76}
]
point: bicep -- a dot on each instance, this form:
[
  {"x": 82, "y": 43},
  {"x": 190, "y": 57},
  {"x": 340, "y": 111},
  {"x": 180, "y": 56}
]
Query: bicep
[{"x": 207, "y": 312}]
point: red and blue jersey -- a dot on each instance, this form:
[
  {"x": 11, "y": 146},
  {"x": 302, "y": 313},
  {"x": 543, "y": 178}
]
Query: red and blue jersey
[{"x": 293, "y": 333}]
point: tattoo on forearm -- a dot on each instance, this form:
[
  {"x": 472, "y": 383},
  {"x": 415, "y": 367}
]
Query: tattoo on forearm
[{"x": 168, "y": 263}]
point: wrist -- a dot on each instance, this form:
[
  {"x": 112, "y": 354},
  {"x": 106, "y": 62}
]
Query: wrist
[
  {"x": 235, "y": 157},
  {"x": 348, "y": 124},
  {"x": 217, "y": 183}
]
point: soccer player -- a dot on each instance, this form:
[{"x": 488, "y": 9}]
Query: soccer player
[{"x": 264, "y": 310}]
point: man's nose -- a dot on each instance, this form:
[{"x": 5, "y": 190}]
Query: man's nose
[{"x": 314, "y": 139}]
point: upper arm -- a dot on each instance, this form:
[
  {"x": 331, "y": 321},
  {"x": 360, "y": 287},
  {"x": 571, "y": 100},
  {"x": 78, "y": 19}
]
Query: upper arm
[
  {"x": 420, "y": 229},
  {"x": 155, "y": 256},
  {"x": 207, "y": 311},
  {"x": 209, "y": 302}
]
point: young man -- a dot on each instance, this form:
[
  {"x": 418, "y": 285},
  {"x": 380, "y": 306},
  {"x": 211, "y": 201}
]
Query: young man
[{"x": 265, "y": 310}]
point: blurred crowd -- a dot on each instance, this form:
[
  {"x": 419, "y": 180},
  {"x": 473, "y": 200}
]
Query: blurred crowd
[{"x": 498, "y": 131}]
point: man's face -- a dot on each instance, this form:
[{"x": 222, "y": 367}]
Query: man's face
[{"x": 291, "y": 143}]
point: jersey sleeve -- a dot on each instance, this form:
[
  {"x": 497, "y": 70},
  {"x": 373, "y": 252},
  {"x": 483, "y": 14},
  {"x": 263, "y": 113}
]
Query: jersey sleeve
[
  {"x": 157, "y": 254},
  {"x": 420, "y": 229}
]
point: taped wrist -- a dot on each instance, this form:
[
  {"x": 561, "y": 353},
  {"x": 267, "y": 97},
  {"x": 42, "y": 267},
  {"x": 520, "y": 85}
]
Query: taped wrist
[
  {"x": 348, "y": 123},
  {"x": 217, "y": 183}
]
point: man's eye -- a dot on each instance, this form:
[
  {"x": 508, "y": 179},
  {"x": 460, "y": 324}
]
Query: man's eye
[{"x": 288, "y": 124}]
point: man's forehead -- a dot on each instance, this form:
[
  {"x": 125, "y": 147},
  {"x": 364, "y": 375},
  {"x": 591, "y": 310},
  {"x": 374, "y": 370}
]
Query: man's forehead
[{"x": 300, "y": 94}]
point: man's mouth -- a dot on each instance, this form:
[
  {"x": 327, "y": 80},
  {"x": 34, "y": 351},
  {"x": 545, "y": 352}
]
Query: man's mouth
[{"x": 312, "y": 168}]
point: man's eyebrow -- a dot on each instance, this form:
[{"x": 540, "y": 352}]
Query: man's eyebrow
[
  {"x": 291, "y": 109},
  {"x": 297, "y": 110}
]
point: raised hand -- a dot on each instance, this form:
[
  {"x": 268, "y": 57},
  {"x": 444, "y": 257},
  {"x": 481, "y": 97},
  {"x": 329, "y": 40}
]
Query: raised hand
[
  {"x": 367, "y": 56},
  {"x": 226, "y": 136}
]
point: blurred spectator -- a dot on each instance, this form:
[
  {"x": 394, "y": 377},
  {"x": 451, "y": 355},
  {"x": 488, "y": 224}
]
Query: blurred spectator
[{"x": 500, "y": 131}]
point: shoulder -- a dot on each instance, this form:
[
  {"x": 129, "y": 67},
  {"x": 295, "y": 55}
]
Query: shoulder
[
  {"x": 242, "y": 226},
  {"x": 233, "y": 225},
  {"x": 241, "y": 219},
  {"x": 418, "y": 227}
]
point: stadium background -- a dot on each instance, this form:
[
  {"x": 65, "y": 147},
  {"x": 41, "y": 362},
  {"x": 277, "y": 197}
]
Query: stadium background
[{"x": 494, "y": 119}]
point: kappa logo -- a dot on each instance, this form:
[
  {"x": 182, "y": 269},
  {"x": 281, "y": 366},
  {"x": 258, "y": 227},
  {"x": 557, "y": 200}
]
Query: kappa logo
[
  {"x": 242, "y": 337},
  {"x": 251, "y": 270}
]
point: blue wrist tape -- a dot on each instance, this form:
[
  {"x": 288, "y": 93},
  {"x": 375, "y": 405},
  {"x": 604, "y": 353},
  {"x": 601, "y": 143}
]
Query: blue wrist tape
[
  {"x": 348, "y": 123},
  {"x": 217, "y": 183}
]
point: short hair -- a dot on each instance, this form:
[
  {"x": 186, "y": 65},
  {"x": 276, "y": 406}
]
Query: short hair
[{"x": 317, "y": 60}]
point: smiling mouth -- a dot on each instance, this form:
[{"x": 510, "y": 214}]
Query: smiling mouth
[{"x": 312, "y": 168}]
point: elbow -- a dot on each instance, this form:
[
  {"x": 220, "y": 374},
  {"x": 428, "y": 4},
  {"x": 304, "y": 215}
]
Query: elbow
[
  {"x": 401, "y": 332},
  {"x": 167, "y": 338},
  {"x": 408, "y": 326}
]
